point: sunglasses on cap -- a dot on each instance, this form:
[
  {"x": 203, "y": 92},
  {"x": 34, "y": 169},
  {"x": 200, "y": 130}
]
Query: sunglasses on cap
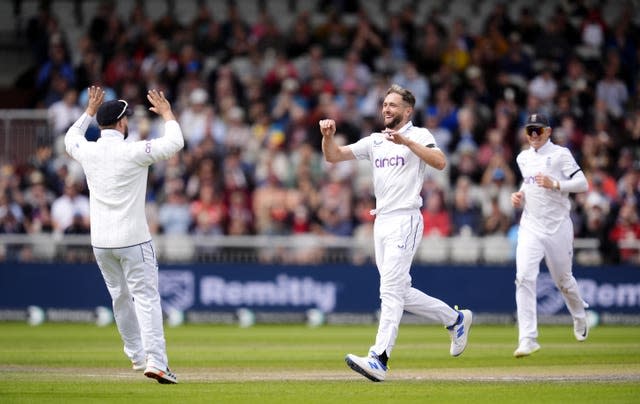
[
  {"x": 126, "y": 105},
  {"x": 531, "y": 130}
]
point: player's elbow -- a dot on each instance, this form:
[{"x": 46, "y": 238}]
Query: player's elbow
[
  {"x": 584, "y": 187},
  {"x": 439, "y": 162}
]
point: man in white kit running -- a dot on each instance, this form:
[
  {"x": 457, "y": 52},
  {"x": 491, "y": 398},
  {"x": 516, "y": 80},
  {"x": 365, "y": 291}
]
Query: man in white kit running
[
  {"x": 549, "y": 174},
  {"x": 400, "y": 155},
  {"x": 116, "y": 174}
]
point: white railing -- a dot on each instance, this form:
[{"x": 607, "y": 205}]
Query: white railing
[{"x": 298, "y": 249}]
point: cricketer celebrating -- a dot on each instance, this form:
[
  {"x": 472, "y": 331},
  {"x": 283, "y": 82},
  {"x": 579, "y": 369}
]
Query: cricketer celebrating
[
  {"x": 549, "y": 174},
  {"x": 116, "y": 174},
  {"x": 399, "y": 156}
]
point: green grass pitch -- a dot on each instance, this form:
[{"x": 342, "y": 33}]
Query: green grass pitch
[{"x": 83, "y": 363}]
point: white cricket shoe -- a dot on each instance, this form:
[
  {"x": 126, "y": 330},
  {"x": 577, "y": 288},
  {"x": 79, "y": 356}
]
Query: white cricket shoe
[
  {"x": 369, "y": 366},
  {"x": 139, "y": 366},
  {"x": 526, "y": 347},
  {"x": 580, "y": 329},
  {"x": 459, "y": 332},
  {"x": 162, "y": 376}
]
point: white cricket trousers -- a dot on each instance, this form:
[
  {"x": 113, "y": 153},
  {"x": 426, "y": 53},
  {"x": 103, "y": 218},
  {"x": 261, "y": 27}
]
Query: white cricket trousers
[
  {"x": 557, "y": 251},
  {"x": 131, "y": 276},
  {"x": 396, "y": 238}
]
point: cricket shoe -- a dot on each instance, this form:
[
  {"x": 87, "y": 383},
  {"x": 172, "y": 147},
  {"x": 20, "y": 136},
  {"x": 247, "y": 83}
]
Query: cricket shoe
[
  {"x": 162, "y": 376},
  {"x": 526, "y": 347},
  {"x": 580, "y": 329},
  {"x": 139, "y": 366},
  {"x": 369, "y": 367},
  {"x": 459, "y": 332}
]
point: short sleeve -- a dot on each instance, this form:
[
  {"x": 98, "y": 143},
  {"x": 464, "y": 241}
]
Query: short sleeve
[
  {"x": 362, "y": 148},
  {"x": 569, "y": 166}
]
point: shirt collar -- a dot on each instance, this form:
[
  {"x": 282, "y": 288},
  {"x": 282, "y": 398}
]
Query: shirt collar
[
  {"x": 406, "y": 127},
  {"x": 111, "y": 134}
]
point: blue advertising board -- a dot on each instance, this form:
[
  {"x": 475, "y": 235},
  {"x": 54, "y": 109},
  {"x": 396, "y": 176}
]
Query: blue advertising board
[{"x": 329, "y": 288}]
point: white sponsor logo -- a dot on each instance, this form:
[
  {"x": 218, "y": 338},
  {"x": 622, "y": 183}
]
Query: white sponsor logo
[
  {"x": 283, "y": 291},
  {"x": 604, "y": 295},
  {"x": 609, "y": 295},
  {"x": 177, "y": 289}
]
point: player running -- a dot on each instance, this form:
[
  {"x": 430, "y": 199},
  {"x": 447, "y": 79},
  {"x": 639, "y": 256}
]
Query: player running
[
  {"x": 549, "y": 174},
  {"x": 400, "y": 156}
]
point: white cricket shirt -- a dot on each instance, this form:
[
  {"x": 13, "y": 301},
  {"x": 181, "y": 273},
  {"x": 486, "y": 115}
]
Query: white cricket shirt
[
  {"x": 545, "y": 209},
  {"x": 398, "y": 173},
  {"x": 116, "y": 174}
]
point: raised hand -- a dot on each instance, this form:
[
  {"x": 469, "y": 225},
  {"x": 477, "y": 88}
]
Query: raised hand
[
  {"x": 327, "y": 127},
  {"x": 96, "y": 96},
  {"x": 160, "y": 105}
]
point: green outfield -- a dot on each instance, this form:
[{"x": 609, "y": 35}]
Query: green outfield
[{"x": 68, "y": 363}]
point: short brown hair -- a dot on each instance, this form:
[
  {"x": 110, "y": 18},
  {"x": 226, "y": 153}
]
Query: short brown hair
[{"x": 407, "y": 96}]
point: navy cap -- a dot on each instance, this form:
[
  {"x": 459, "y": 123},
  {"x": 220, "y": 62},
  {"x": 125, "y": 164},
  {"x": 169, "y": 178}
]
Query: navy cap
[
  {"x": 537, "y": 121},
  {"x": 112, "y": 111}
]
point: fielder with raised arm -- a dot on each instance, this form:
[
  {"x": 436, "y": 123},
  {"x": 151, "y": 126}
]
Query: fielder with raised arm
[
  {"x": 116, "y": 174},
  {"x": 549, "y": 174},
  {"x": 400, "y": 156}
]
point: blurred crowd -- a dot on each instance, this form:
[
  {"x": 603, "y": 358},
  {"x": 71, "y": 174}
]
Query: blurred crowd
[{"x": 249, "y": 96}]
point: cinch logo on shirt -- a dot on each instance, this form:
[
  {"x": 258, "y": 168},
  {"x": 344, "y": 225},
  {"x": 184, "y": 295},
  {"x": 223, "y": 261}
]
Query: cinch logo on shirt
[
  {"x": 529, "y": 180},
  {"x": 389, "y": 162}
]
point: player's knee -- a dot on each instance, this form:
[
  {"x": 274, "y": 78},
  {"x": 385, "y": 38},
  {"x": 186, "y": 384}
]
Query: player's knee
[
  {"x": 525, "y": 281},
  {"x": 567, "y": 284}
]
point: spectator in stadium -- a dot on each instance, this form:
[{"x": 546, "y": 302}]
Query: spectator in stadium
[
  {"x": 299, "y": 39},
  {"x": 611, "y": 90},
  {"x": 399, "y": 155},
  {"x": 56, "y": 74},
  {"x": 496, "y": 221},
  {"x": 174, "y": 216},
  {"x": 334, "y": 212},
  {"x": 198, "y": 118},
  {"x": 410, "y": 78},
  {"x": 116, "y": 173},
  {"x": 240, "y": 221},
  {"x": 11, "y": 222},
  {"x": 626, "y": 232},
  {"x": 494, "y": 147},
  {"x": 429, "y": 48},
  {"x": 544, "y": 87},
  {"x": 68, "y": 205},
  {"x": 497, "y": 182},
  {"x": 208, "y": 212},
  {"x": 62, "y": 114},
  {"x": 37, "y": 209},
  {"x": 437, "y": 221},
  {"x": 466, "y": 215}
]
